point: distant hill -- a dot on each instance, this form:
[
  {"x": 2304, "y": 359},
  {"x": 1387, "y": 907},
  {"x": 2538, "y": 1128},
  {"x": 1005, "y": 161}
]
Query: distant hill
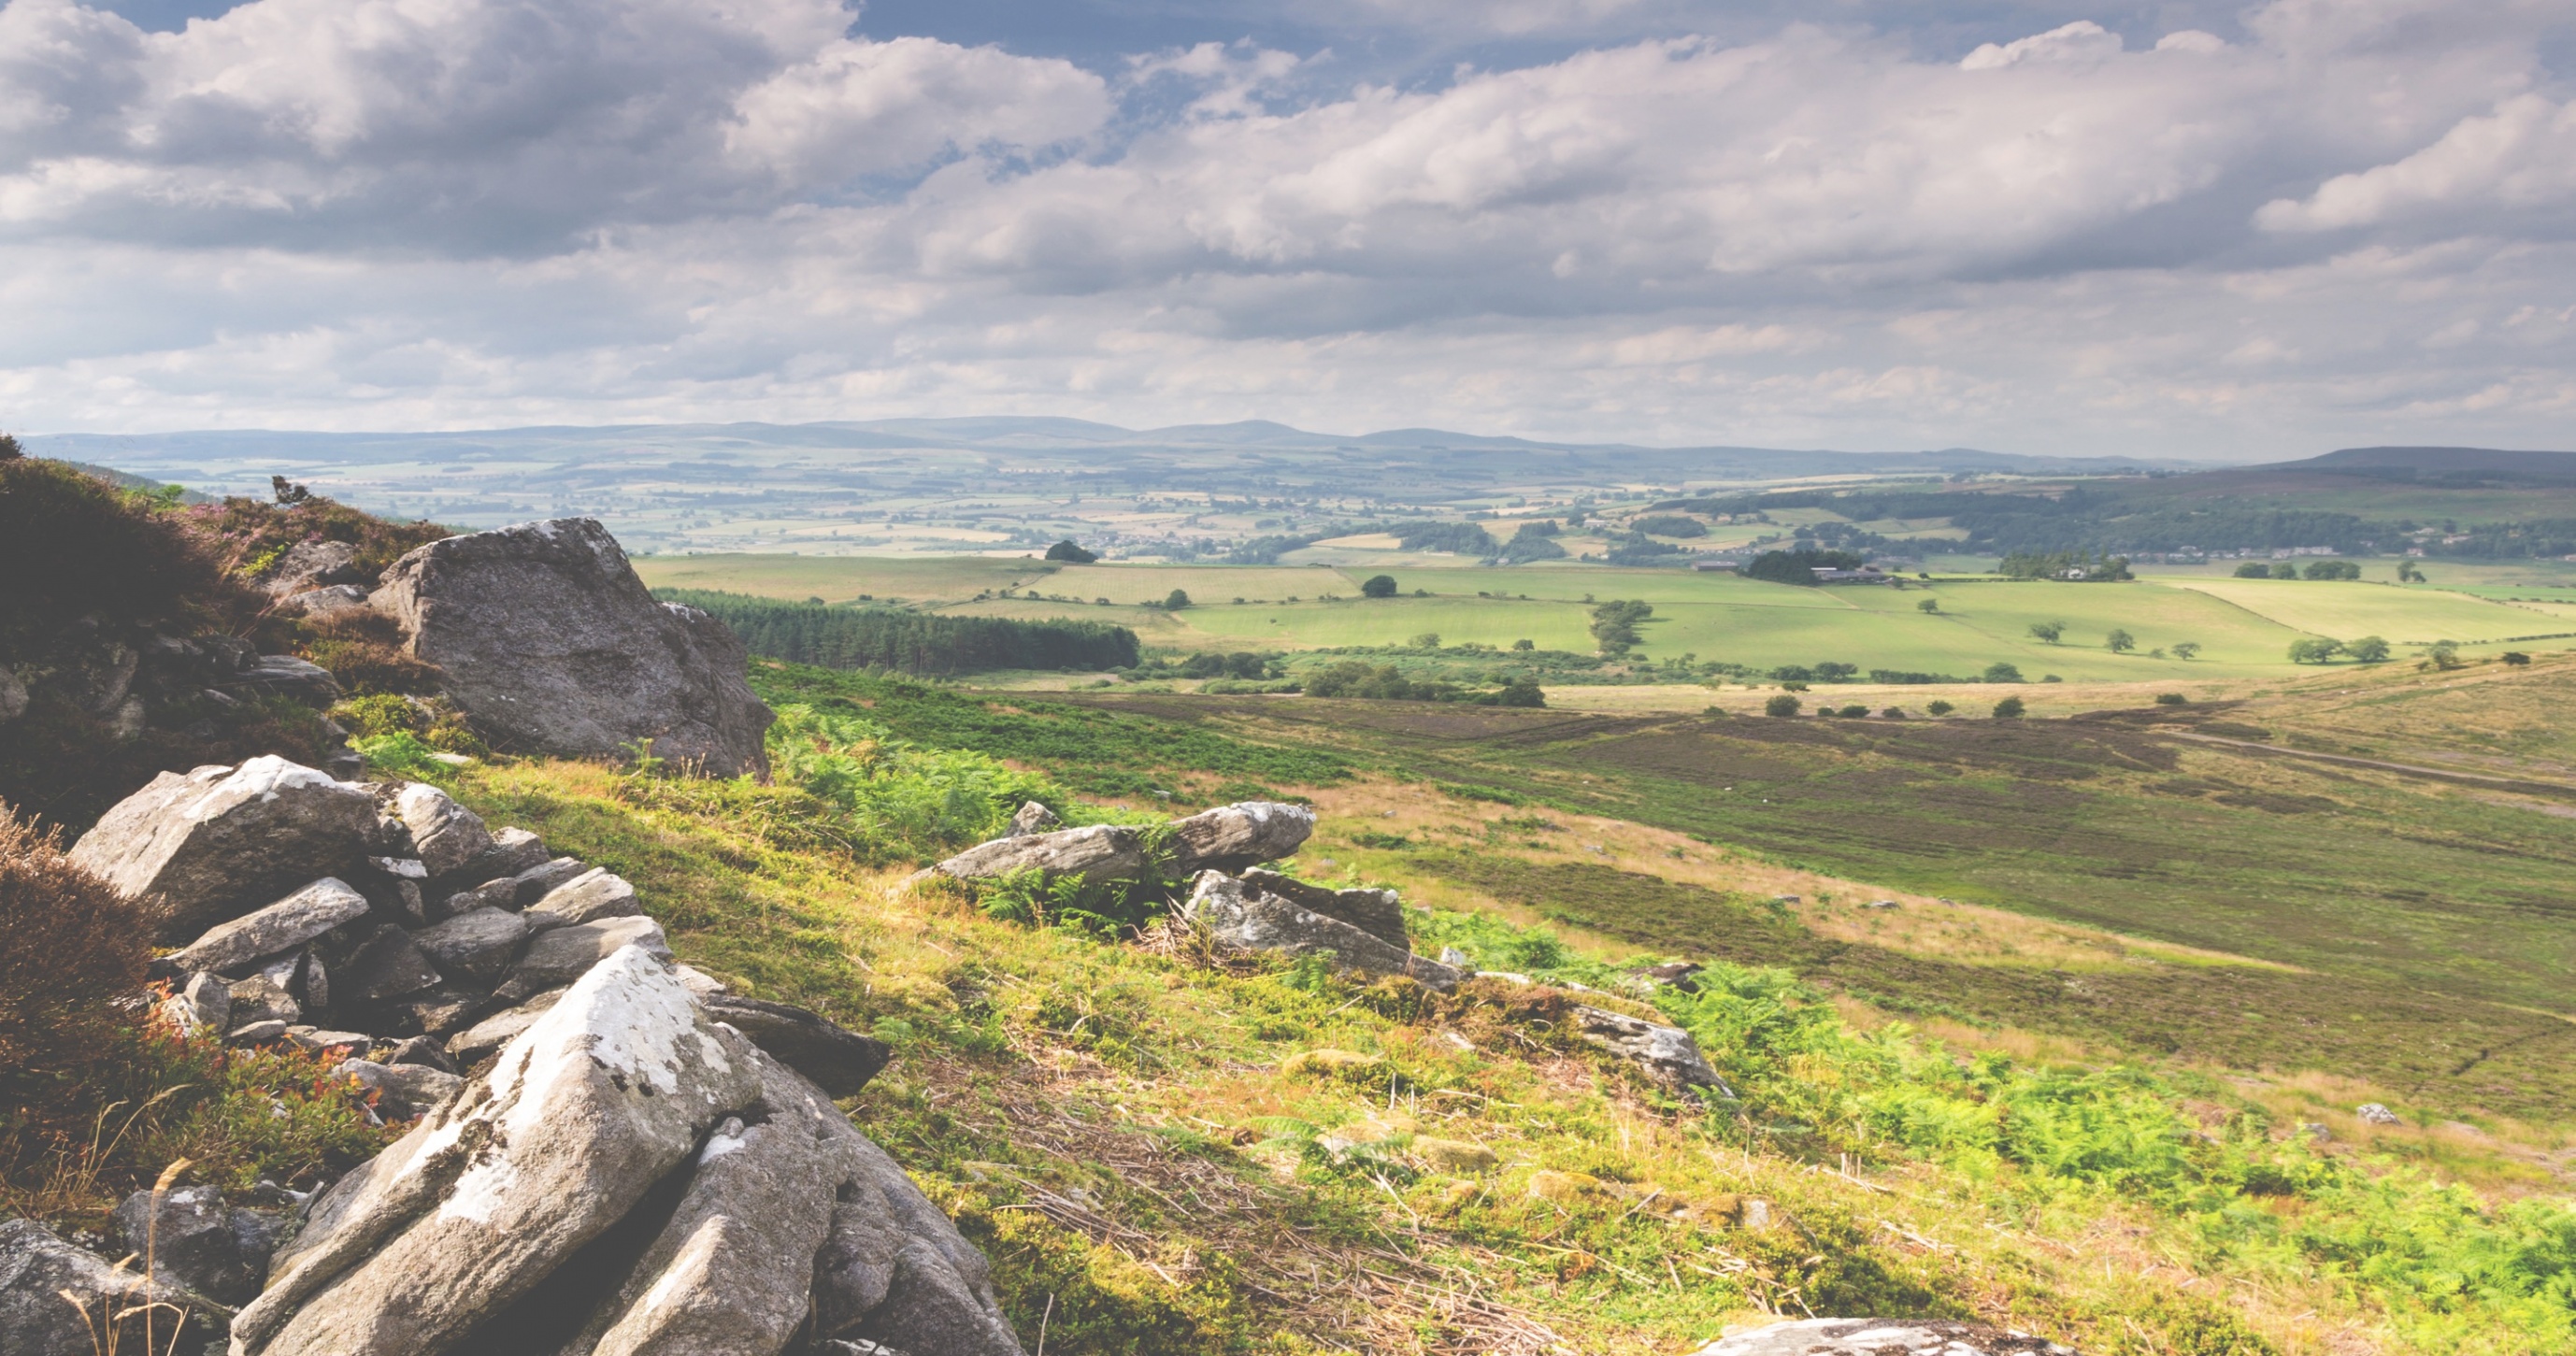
[{"x": 2470, "y": 464}]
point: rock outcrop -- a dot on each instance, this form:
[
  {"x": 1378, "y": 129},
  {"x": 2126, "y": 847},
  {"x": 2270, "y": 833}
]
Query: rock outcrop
[
  {"x": 206, "y": 840},
  {"x": 1235, "y": 914},
  {"x": 1881, "y": 1337},
  {"x": 1095, "y": 852},
  {"x": 1379, "y": 913},
  {"x": 1667, "y": 1054},
  {"x": 60, "y": 1300},
  {"x": 551, "y": 644}
]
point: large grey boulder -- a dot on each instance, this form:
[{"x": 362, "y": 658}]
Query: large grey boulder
[
  {"x": 1667, "y": 1054},
  {"x": 281, "y": 927},
  {"x": 217, "y": 842},
  {"x": 581, "y": 1115},
  {"x": 310, "y": 565},
  {"x": 198, "y": 1241},
  {"x": 587, "y": 898},
  {"x": 1232, "y": 837},
  {"x": 1096, "y": 852},
  {"x": 1238, "y": 916},
  {"x": 832, "y": 1057},
  {"x": 475, "y": 947},
  {"x": 37, "y": 1269},
  {"x": 1880, "y": 1337},
  {"x": 1379, "y": 913},
  {"x": 559, "y": 957},
  {"x": 551, "y": 644}
]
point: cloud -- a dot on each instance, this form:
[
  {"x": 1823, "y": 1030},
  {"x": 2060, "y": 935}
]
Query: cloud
[{"x": 450, "y": 212}]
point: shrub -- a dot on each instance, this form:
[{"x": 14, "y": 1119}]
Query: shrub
[
  {"x": 72, "y": 545},
  {"x": 1893, "y": 713},
  {"x": 1175, "y": 600},
  {"x": 1855, "y": 711},
  {"x": 255, "y": 533},
  {"x": 2010, "y": 708},
  {"x": 1614, "y": 624},
  {"x": 2444, "y": 655},
  {"x": 2171, "y": 699},
  {"x": 2048, "y": 630},
  {"x": 2119, "y": 641},
  {"x": 2253, "y": 569},
  {"x": 2001, "y": 672},
  {"x": 1940, "y": 708},
  {"x": 1378, "y": 586},
  {"x": 2333, "y": 569},
  {"x": 1928, "y": 605},
  {"x": 2285, "y": 570},
  {"x": 70, "y": 948},
  {"x": 1427, "y": 640},
  {"x": 1781, "y": 705},
  {"x": 1523, "y": 692},
  {"x": 2514, "y": 657}
]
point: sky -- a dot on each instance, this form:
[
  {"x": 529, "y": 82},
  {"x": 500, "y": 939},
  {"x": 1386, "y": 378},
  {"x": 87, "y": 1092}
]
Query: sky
[{"x": 2187, "y": 230}]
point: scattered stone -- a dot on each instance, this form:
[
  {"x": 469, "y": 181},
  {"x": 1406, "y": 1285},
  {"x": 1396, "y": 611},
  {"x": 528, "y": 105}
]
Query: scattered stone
[
  {"x": 198, "y": 1242},
  {"x": 540, "y": 880},
  {"x": 1882, "y": 904},
  {"x": 335, "y": 600},
  {"x": 314, "y": 1040},
  {"x": 1787, "y": 899},
  {"x": 1033, "y": 818},
  {"x": 204, "y": 1003},
  {"x": 262, "y": 1032},
  {"x": 400, "y": 868},
  {"x": 1096, "y": 852},
  {"x": 423, "y": 1051},
  {"x": 2372, "y": 1113},
  {"x": 1232, "y": 837},
  {"x": 388, "y": 965},
  {"x": 1455, "y": 1155},
  {"x": 557, "y": 958},
  {"x": 512, "y": 851},
  {"x": 261, "y": 999},
  {"x": 1880, "y": 1337},
  {"x": 1235, "y": 916},
  {"x": 1667, "y": 1053},
  {"x": 1379, "y": 913},
  {"x": 587, "y": 898},
  {"x": 468, "y": 1047},
  {"x": 2316, "y": 1130},
  {"x": 214, "y": 841},
  {"x": 475, "y": 947},
  {"x": 491, "y": 894},
  {"x": 283, "y": 926},
  {"x": 550, "y": 643},
  {"x": 1454, "y": 958},
  {"x": 445, "y": 834},
  {"x": 302, "y": 974},
  {"x": 1682, "y": 975},
  {"x": 38, "y": 1269},
  {"x": 833, "y": 1058},
  {"x": 310, "y": 565},
  {"x": 404, "y": 1092},
  {"x": 439, "y": 1012},
  {"x": 583, "y": 1113}
]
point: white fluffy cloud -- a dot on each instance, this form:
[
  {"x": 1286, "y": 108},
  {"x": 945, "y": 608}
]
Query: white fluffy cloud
[{"x": 2344, "y": 223}]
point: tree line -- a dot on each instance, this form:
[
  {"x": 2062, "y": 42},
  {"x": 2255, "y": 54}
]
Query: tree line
[{"x": 831, "y": 637}]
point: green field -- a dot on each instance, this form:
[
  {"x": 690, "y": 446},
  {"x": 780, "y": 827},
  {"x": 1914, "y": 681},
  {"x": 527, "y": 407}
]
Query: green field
[{"x": 2244, "y": 627}]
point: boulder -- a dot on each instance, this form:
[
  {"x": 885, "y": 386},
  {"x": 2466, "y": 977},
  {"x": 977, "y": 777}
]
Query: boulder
[
  {"x": 491, "y": 894},
  {"x": 512, "y": 851},
  {"x": 283, "y": 926},
  {"x": 1379, "y": 913},
  {"x": 37, "y": 1270},
  {"x": 198, "y": 1242},
  {"x": 538, "y": 881},
  {"x": 444, "y": 834},
  {"x": 215, "y": 842},
  {"x": 260, "y": 999},
  {"x": 550, "y": 643},
  {"x": 313, "y": 1040},
  {"x": 262, "y": 1032},
  {"x": 404, "y": 1092},
  {"x": 559, "y": 957},
  {"x": 833, "y": 1058},
  {"x": 336, "y": 600},
  {"x": 423, "y": 1051},
  {"x": 473, "y": 948},
  {"x": 1033, "y": 818},
  {"x": 586, "y": 898},
  {"x": 310, "y": 565},
  {"x": 1232, "y": 837},
  {"x": 581, "y": 1115},
  {"x": 2373, "y": 1113},
  {"x": 1880, "y": 1337},
  {"x": 1667, "y": 1053},
  {"x": 1237, "y": 916},
  {"x": 204, "y": 1002},
  {"x": 1096, "y": 852}
]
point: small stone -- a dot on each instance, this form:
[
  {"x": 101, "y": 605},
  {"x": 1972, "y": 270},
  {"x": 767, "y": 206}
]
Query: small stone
[
  {"x": 204, "y": 1003},
  {"x": 404, "y": 1092},
  {"x": 1454, "y": 958},
  {"x": 2317, "y": 1131},
  {"x": 512, "y": 851},
  {"x": 261, "y": 999},
  {"x": 701, "y": 985},
  {"x": 446, "y": 834},
  {"x": 256, "y": 1033},
  {"x": 1881, "y": 904},
  {"x": 1667, "y": 1053},
  {"x": 421, "y": 1050},
  {"x": 439, "y": 1012},
  {"x": 1033, "y": 818},
  {"x": 389, "y": 965},
  {"x": 475, "y": 947},
  {"x": 586, "y": 898},
  {"x": 1455, "y": 1155},
  {"x": 1880, "y": 1337},
  {"x": 217, "y": 841},
  {"x": 320, "y": 1042},
  {"x": 1098, "y": 852},
  {"x": 2372, "y": 1113}
]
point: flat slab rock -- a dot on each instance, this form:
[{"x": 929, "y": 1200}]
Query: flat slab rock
[
  {"x": 1094, "y": 852},
  {"x": 1236, "y": 915},
  {"x": 218, "y": 841},
  {"x": 1232, "y": 837},
  {"x": 281, "y": 927},
  {"x": 1881, "y": 1337},
  {"x": 551, "y": 644},
  {"x": 1379, "y": 913}
]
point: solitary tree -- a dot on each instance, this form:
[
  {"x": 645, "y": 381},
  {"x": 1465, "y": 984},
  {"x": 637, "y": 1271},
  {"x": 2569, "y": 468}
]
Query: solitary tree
[
  {"x": 2010, "y": 708},
  {"x": 1428, "y": 640},
  {"x": 1378, "y": 586},
  {"x": 2317, "y": 651},
  {"x": 1071, "y": 552},
  {"x": 2001, "y": 672},
  {"x": 2048, "y": 630},
  {"x": 1782, "y": 705},
  {"x": 1175, "y": 601},
  {"x": 2119, "y": 641},
  {"x": 2368, "y": 650},
  {"x": 1928, "y": 605},
  {"x": 2445, "y": 655},
  {"x": 2408, "y": 572},
  {"x": 2185, "y": 649},
  {"x": 1524, "y": 645}
]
